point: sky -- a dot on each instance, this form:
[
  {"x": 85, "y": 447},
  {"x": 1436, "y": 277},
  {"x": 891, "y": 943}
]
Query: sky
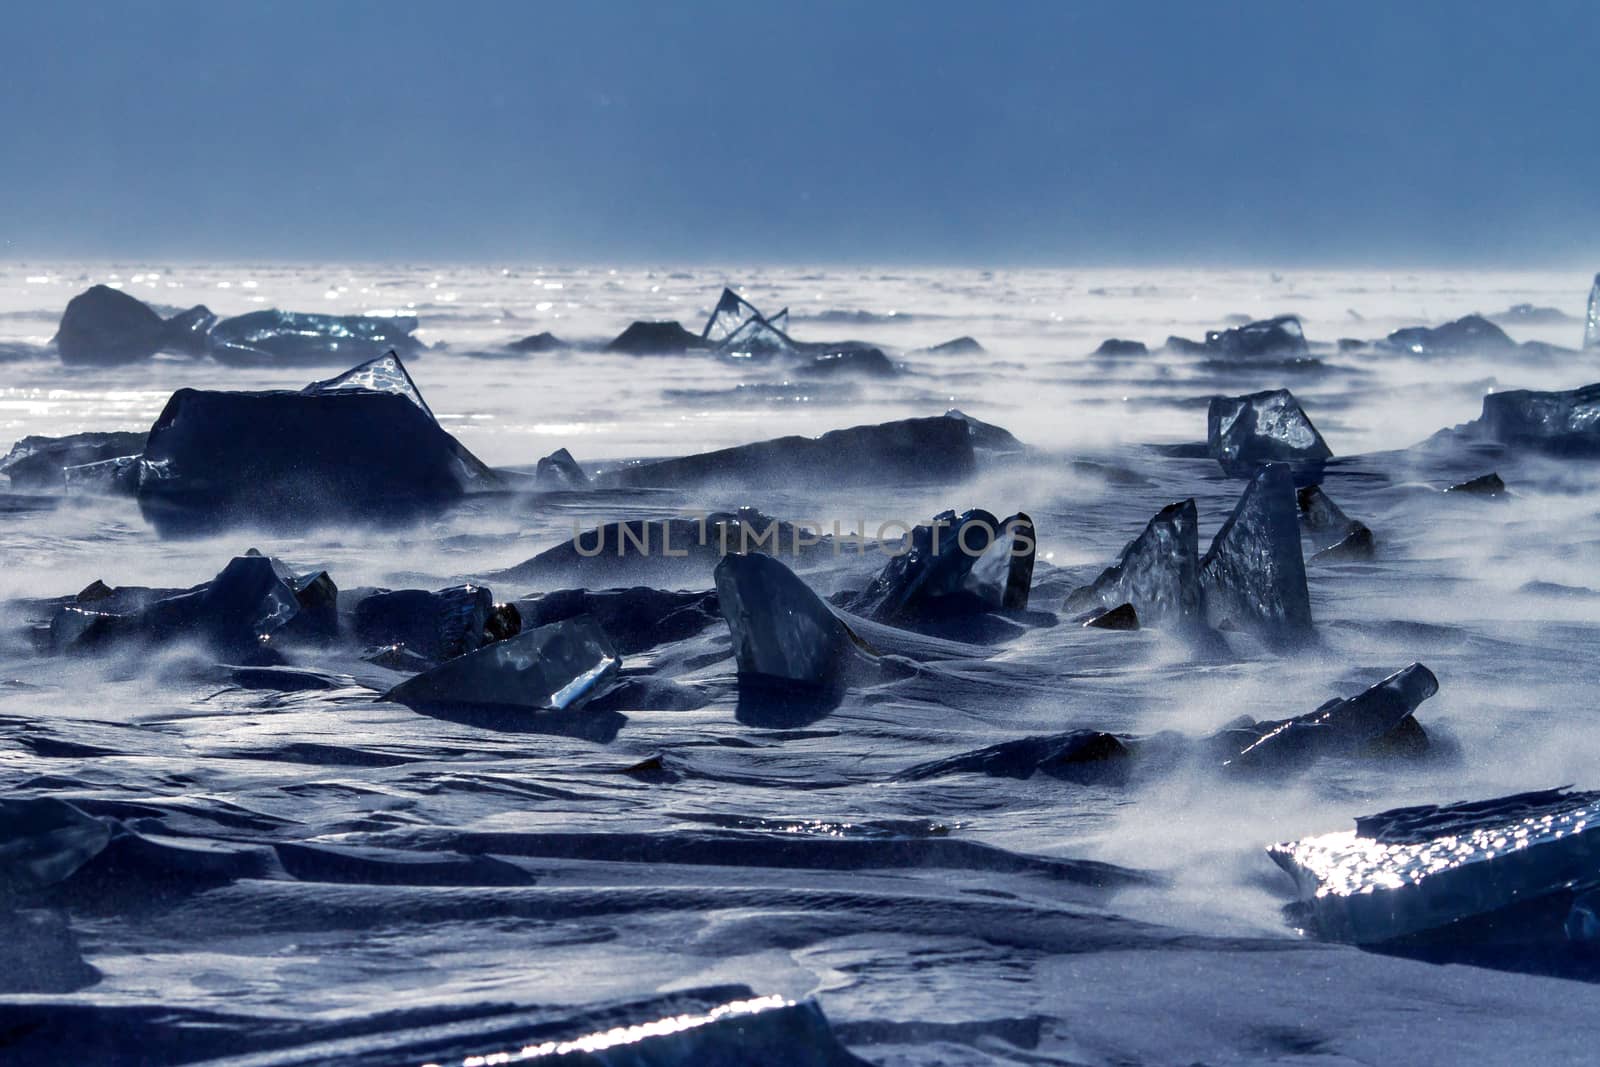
[{"x": 874, "y": 131}]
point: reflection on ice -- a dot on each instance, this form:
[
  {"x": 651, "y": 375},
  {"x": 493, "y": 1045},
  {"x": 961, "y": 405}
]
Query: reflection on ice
[{"x": 1416, "y": 869}]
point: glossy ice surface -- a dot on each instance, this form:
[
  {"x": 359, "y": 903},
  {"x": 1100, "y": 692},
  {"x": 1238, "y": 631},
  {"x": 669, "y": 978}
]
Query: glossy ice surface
[{"x": 1376, "y": 887}]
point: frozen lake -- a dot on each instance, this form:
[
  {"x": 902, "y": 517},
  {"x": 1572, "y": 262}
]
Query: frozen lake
[{"x": 383, "y": 869}]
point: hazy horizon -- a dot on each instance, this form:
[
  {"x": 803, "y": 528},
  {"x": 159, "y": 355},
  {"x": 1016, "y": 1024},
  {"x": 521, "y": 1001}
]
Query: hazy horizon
[{"x": 622, "y": 134}]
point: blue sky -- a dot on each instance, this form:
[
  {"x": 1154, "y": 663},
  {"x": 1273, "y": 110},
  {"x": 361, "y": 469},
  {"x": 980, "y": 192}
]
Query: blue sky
[{"x": 1008, "y": 133}]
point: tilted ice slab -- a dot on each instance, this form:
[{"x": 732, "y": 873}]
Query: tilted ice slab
[
  {"x": 1158, "y": 573},
  {"x": 1341, "y": 727},
  {"x": 1254, "y": 576},
  {"x": 782, "y": 631},
  {"x": 1243, "y": 432},
  {"x": 1334, "y": 534},
  {"x": 558, "y": 667},
  {"x": 1409, "y": 870}
]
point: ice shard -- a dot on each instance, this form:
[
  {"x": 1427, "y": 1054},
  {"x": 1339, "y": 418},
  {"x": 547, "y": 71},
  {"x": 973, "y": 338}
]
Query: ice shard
[
  {"x": 1411, "y": 870},
  {"x": 1158, "y": 574},
  {"x": 341, "y": 452},
  {"x": 1243, "y": 432},
  {"x": 1334, "y": 535},
  {"x": 1254, "y": 576},
  {"x": 1078, "y": 755},
  {"x": 1591, "y": 322},
  {"x": 559, "y": 667},
  {"x": 1281, "y": 336},
  {"x": 559, "y": 470},
  {"x": 41, "y": 462},
  {"x": 1340, "y": 727},
  {"x": 756, "y": 338},
  {"x": 385, "y": 374},
  {"x": 438, "y": 626},
  {"x": 783, "y": 633},
  {"x": 1560, "y": 422},
  {"x": 288, "y": 338},
  {"x": 731, "y": 312},
  {"x": 953, "y": 566}
]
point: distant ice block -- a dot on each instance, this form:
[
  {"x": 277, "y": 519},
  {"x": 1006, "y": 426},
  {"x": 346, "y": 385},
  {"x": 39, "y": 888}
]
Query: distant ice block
[
  {"x": 782, "y": 631},
  {"x": 655, "y": 338},
  {"x": 1464, "y": 336},
  {"x": 43, "y": 841},
  {"x": 538, "y": 342},
  {"x": 1158, "y": 573},
  {"x": 188, "y": 333},
  {"x": 103, "y": 327},
  {"x": 1243, "y": 432},
  {"x": 1335, "y": 535},
  {"x": 559, "y": 667},
  {"x": 1591, "y": 322},
  {"x": 360, "y": 448},
  {"x": 1560, "y": 422},
  {"x": 1116, "y": 346},
  {"x": 939, "y": 449},
  {"x": 288, "y": 338},
  {"x": 863, "y": 361},
  {"x": 1340, "y": 727},
  {"x": 1281, "y": 336},
  {"x": 1411, "y": 870},
  {"x": 956, "y": 346},
  {"x": 438, "y": 626},
  {"x": 954, "y": 565},
  {"x": 1254, "y": 576}
]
